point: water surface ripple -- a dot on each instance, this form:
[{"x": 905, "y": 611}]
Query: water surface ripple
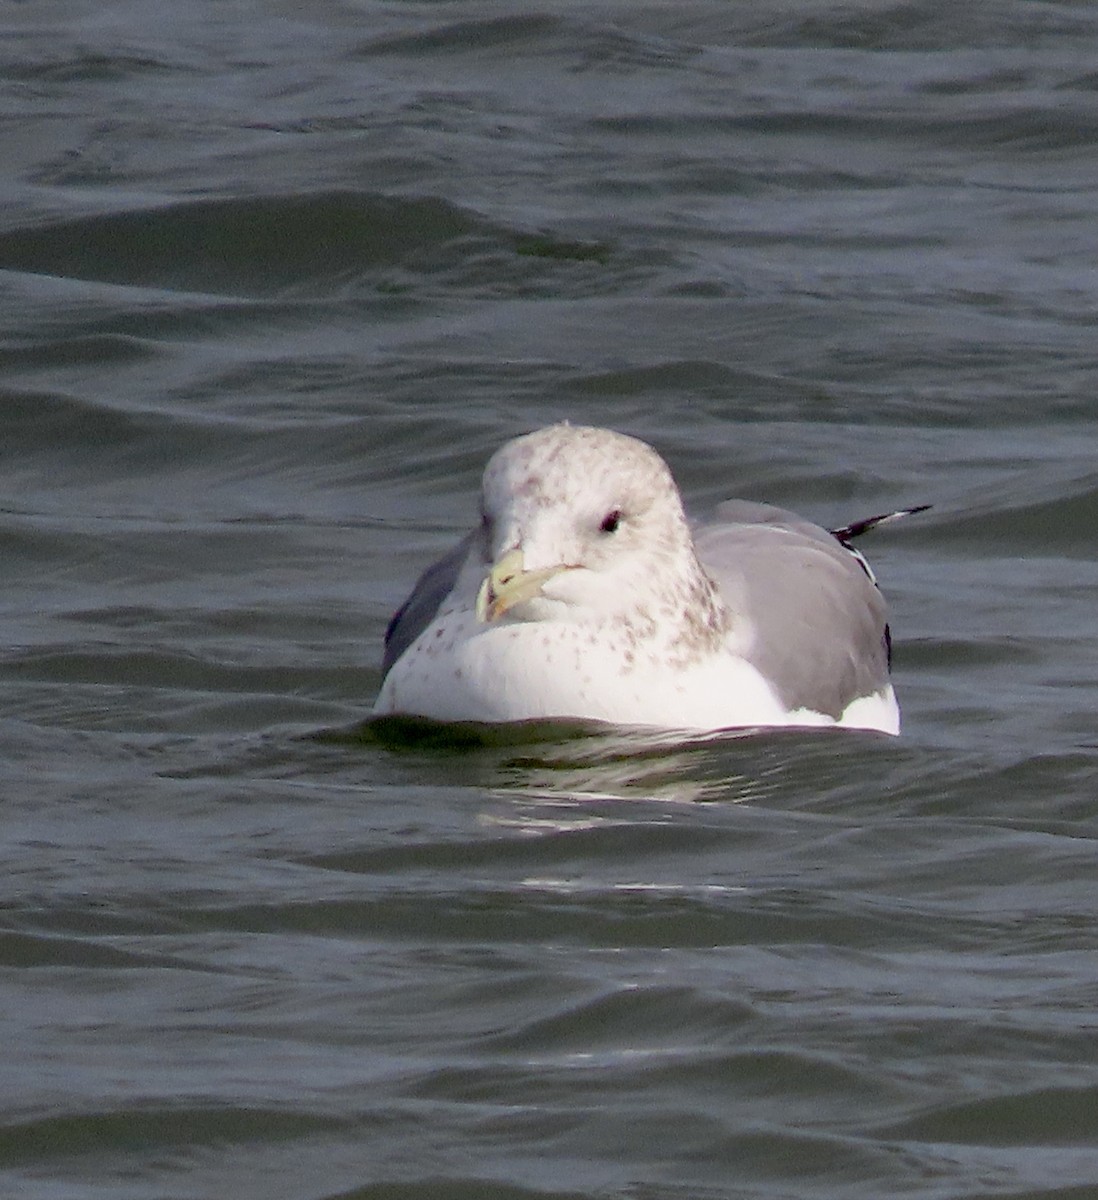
[{"x": 274, "y": 281}]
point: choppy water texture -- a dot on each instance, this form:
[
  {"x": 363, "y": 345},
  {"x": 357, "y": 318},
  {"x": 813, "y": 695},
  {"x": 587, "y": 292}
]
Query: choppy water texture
[{"x": 275, "y": 281}]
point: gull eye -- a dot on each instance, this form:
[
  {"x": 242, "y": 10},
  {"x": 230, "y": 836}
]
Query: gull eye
[{"x": 611, "y": 521}]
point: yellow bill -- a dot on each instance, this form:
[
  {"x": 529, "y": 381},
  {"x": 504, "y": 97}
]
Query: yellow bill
[{"x": 508, "y": 584}]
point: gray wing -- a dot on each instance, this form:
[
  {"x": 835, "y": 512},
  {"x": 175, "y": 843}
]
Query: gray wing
[
  {"x": 418, "y": 611},
  {"x": 821, "y": 624}
]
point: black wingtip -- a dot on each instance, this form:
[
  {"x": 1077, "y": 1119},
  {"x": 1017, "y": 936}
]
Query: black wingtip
[{"x": 848, "y": 532}]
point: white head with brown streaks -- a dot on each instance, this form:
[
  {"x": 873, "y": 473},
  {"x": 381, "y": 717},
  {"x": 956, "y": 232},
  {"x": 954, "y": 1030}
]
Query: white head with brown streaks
[{"x": 585, "y": 524}]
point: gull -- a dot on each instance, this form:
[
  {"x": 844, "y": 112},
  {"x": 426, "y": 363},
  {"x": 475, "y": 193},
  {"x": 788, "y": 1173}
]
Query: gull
[{"x": 584, "y": 593}]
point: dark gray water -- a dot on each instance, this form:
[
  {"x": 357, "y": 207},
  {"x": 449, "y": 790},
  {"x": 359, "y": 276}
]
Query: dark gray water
[{"x": 276, "y": 279}]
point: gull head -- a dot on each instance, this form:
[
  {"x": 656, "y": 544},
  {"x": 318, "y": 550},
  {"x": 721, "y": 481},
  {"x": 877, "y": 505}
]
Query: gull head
[{"x": 582, "y": 524}]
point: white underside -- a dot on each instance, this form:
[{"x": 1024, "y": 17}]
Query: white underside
[{"x": 460, "y": 669}]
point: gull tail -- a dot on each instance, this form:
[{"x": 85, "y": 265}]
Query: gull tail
[{"x": 848, "y": 532}]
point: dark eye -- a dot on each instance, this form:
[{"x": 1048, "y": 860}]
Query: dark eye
[{"x": 611, "y": 521}]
